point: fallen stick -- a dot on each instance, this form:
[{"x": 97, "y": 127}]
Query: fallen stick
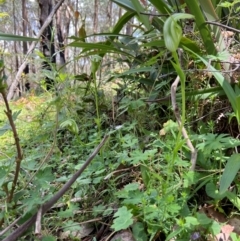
[{"x": 46, "y": 206}]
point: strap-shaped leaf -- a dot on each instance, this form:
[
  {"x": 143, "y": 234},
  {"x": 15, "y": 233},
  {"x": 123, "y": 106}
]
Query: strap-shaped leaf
[{"x": 230, "y": 171}]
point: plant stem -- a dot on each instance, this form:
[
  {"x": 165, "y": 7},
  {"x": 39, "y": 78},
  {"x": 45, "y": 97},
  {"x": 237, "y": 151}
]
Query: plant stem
[{"x": 19, "y": 156}]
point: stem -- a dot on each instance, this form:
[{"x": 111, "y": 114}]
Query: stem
[{"x": 19, "y": 157}]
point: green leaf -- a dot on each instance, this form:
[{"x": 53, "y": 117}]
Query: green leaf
[
  {"x": 195, "y": 9},
  {"x": 191, "y": 221},
  {"x": 44, "y": 176},
  {"x": 231, "y": 169},
  {"x": 139, "y": 232},
  {"x": 142, "y": 18},
  {"x": 49, "y": 238},
  {"x": 97, "y": 47},
  {"x": 161, "y": 6},
  {"x": 238, "y": 108},
  {"x": 12, "y": 37},
  {"x": 145, "y": 174},
  {"x": 69, "y": 212},
  {"x": 3, "y": 174},
  {"x": 222, "y": 81},
  {"x": 172, "y": 31},
  {"x": 213, "y": 192},
  {"x": 132, "y": 186},
  {"x": 186, "y": 42},
  {"x": 203, "y": 219},
  {"x": 123, "y": 219},
  {"x": 126, "y": 4},
  {"x": 71, "y": 226},
  {"x": 234, "y": 199}
]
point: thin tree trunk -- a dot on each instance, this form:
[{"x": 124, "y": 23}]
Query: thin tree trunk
[
  {"x": 110, "y": 10},
  {"x": 76, "y": 34},
  {"x": 60, "y": 37},
  {"x": 31, "y": 48},
  {"x": 95, "y": 18},
  {"x": 16, "y": 65},
  {"x": 26, "y": 85},
  {"x": 47, "y": 41}
]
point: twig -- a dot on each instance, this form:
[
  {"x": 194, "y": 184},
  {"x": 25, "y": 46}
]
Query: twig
[
  {"x": 223, "y": 26},
  {"x": 9, "y": 226},
  {"x": 177, "y": 115},
  {"x": 31, "y": 48},
  {"x": 38, "y": 226},
  {"x": 46, "y": 206}
]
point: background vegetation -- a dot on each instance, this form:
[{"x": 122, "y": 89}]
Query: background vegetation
[{"x": 119, "y": 120}]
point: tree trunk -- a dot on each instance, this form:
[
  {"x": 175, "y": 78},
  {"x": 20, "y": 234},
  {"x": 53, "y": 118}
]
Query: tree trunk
[
  {"x": 47, "y": 39},
  {"x": 60, "y": 36},
  {"x": 95, "y": 18},
  {"x": 16, "y": 65},
  {"x": 25, "y": 83}
]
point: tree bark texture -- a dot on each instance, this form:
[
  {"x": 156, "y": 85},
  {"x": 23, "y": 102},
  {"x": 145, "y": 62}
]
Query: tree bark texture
[
  {"x": 47, "y": 39},
  {"x": 95, "y": 18}
]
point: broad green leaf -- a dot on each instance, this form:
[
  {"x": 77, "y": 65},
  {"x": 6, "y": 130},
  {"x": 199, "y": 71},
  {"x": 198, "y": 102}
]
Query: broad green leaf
[
  {"x": 213, "y": 192},
  {"x": 123, "y": 219},
  {"x": 234, "y": 199},
  {"x": 69, "y": 212},
  {"x": 238, "y": 108},
  {"x": 48, "y": 238},
  {"x": 3, "y": 174},
  {"x": 145, "y": 174},
  {"x": 139, "y": 232},
  {"x": 231, "y": 169},
  {"x": 191, "y": 221},
  {"x": 71, "y": 226},
  {"x": 4, "y": 129},
  {"x": 12, "y": 37},
  {"x": 126, "y": 4},
  {"x": 186, "y": 42},
  {"x": 203, "y": 219},
  {"x": 215, "y": 228},
  {"x": 43, "y": 177},
  {"x": 131, "y": 187},
  {"x": 161, "y": 6}
]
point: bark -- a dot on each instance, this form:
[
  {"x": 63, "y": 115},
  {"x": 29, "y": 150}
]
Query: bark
[
  {"x": 16, "y": 65},
  {"x": 25, "y": 84},
  {"x": 60, "y": 37},
  {"x": 47, "y": 39},
  {"x": 129, "y": 27},
  {"x": 95, "y": 18},
  {"x": 109, "y": 13}
]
